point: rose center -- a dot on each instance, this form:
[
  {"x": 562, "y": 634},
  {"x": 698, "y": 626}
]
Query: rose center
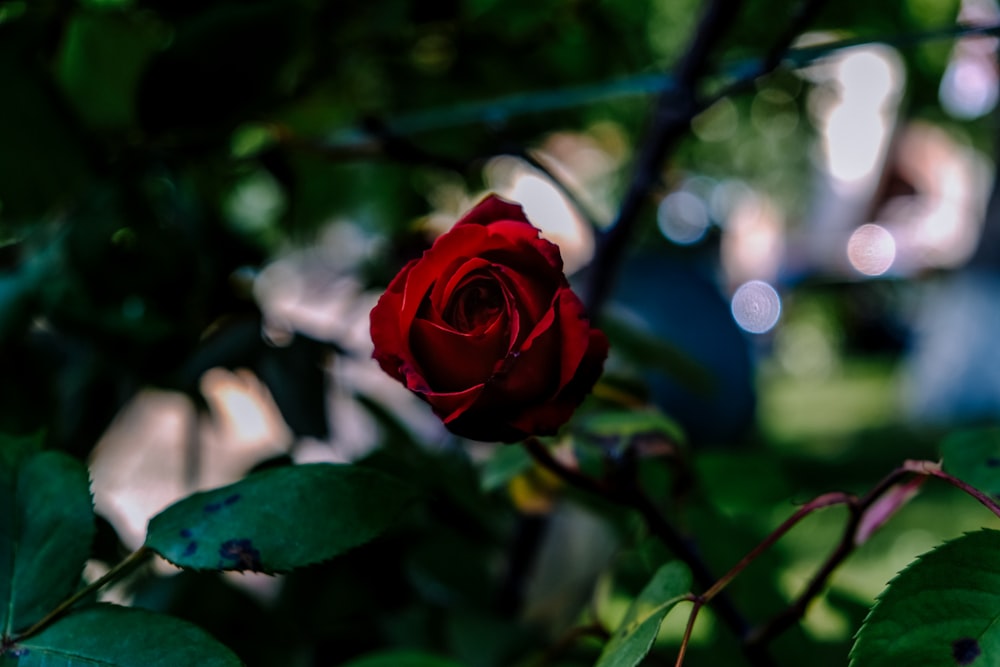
[{"x": 474, "y": 305}]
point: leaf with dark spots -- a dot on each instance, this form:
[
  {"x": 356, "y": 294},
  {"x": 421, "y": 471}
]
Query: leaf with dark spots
[
  {"x": 336, "y": 508},
  {"x": 951, "y": 591},
  {"x": 965, "y": 651},
  {"x": 218, "y": 505},
  {"x": 239, "y": 555}
]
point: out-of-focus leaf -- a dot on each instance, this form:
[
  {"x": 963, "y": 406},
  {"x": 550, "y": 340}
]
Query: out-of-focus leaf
[
  {"x": 43, "y": 163},
  {"x": 402, "y": 659},
  {"x": 503, "y": 465},
  {"x": 296, "y": 376},
  {"x": 46, "y": 529},
  {"x": 941, "y": 611},
  {"x": 221, "y": 64},
  {"x": 279, "y": 519},
  {"x": 110, "y": 636},
  {"x": 100, "y": 61},
  {"x": 974, "y": 457},
  {"x": 635, "y": 636},
  {"x": 656, "y": 353},
  {"x": 625, "y": 426}
]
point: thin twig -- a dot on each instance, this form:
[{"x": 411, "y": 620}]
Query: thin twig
[
  {"x": 826, "y": 500},
  {"x": 803, "y": 17},
  {"x": 625, "y": 492},
  {"x": 132, "y": 561},
  {"x": 582, "y": 209},
  {"x": 779, "y": 623},
  {"x": 933, "y": 469},
  {"x": 699, "y": 602},
  {"x": 672, "y": 115}
]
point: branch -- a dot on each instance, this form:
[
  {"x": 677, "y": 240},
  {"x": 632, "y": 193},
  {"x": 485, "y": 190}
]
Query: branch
[
  {"x": 858, "y": 508},
  {"x": 932, "y": 469},
  {"x": 135, "y": 559},
  {"x": 675, "y": 107},
  {"x": 626, "y": 492}
]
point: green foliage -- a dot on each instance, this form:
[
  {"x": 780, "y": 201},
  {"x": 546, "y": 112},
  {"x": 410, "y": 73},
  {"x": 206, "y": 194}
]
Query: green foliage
[
  {"x": 504, "y": 464},
  {"x": 941, "y": 611},
  {"x": 402, "y": 659},
  {"x": 157, "y": 154},
  {"x": 46, "y": 530},
  {"x": 280, "y": 519},
  {"x": 111, "y": 636},
  {"x": 974, "y": 456},
  {"x": 635, "y": 636}
]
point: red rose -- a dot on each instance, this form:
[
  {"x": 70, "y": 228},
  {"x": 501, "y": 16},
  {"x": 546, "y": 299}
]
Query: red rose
[{"x": 484, "y": 328}]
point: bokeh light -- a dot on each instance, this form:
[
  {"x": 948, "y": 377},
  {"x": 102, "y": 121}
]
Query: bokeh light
[
  {"x": 756, "y": 306},
  {"x": 871, "y": 249},
  {"x": 683, "y": 217},
  {"x": 856, "y": 123}
]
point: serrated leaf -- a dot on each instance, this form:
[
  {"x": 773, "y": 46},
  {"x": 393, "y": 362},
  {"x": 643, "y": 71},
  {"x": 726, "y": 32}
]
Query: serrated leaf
[
  {"x": 635, "y": 636},
  {"x": 279, "y": 519},
  {"x": 107, "y": 635},
  {"x": 974, "y": 457},
  {"x": 943, "y": 610},
  {"x": 402, "y": 659},
  {"x": 46, "y": 529}
]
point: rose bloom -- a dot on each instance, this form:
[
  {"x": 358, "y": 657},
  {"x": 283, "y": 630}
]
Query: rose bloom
[{"x": 485, "y": 328}]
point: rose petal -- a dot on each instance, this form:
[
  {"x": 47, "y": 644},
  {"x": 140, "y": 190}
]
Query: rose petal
[
  {"x": 390, "y": 348},
  {"x": 524, "y": 236},
  {"x": 493, "y": 207},
  {"x": 546, "y": 418},
  {"x": 575, "y": 333},
  {"x": 450, "y": 406},
  {"x": 453, "y": 361}
]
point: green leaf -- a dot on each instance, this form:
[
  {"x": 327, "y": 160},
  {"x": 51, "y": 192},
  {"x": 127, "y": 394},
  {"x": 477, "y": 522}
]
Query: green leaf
[
  {"x": 43, "y": 164},
  {"x": 942, "y": 610},
  {"x": 974, "y": 457},
  {"x": 100, "y": 61},
  {"x": 401, "y": 659},
  {"x": 46, "y": 529},
  {"x": 505, "y": 464},
  {"x": 624, "y": 426},
  {"x": 637, "y": 343},
  {"x": 106, "y": 635},
  {"x": 635, "y": 636},
  {"x": 279, "y": 519}
]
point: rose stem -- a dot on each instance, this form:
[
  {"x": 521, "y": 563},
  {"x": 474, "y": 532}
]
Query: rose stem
[
  {"x": 672, "y": 114},
  {"x": 134, "y": 559},
  {"x": 675, "y": 107},
  {"x": 628, "y": 494},
  {"x": 848, "y": 542}
]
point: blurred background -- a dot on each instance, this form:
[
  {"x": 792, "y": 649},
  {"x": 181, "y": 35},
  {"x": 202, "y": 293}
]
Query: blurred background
[{"x": 201, "y": 201}]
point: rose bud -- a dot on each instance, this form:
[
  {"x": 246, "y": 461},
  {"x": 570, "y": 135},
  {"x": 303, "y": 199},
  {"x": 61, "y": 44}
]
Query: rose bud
[{"x": 484, "y": 327}]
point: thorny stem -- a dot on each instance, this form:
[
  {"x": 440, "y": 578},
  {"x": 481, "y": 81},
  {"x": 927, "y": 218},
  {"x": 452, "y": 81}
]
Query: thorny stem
[
  {"x": 626, "y": 493},
  {"x": 855, "y": 532},
  {"x": 848, "y": 542},
  {"x": 121, "y": 569},
  {"x": 932, "y": 469}
]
